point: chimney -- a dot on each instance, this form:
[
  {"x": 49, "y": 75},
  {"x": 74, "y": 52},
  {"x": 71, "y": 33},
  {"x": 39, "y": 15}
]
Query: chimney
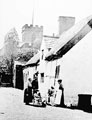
[{"x": 65, "y": 23}]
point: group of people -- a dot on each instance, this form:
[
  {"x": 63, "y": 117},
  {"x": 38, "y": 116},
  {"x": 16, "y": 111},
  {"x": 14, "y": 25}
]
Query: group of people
[
  {"x": 31, "y": 90},
  {"x": 56, "y": 96}
]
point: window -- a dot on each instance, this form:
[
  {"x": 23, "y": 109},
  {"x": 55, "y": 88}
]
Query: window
[
  {"x": 42, "y": 77},
  {"x": 57, "y": 71},
  {"x": 42, "y": 54}
]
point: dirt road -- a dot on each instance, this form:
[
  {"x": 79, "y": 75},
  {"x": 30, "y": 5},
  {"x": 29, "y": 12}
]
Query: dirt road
[{"x": 13, "y": 108}]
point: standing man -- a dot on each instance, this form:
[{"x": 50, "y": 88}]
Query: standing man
[{"x": 35, "y": 83}]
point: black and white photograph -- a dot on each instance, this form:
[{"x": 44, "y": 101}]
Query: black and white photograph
[{"x": 45, "y": 59}]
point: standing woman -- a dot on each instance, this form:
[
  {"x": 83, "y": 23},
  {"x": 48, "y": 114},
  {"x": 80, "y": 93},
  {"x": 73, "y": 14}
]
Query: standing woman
[
  {"x": 59, "y": 101},
  {"x": 28, "y": 92},
  {"x": 62, "y": 90}
]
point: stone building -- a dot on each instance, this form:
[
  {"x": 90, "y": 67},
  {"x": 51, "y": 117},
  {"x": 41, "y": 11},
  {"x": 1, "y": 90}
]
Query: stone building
[{"x": 32, "y": 35}]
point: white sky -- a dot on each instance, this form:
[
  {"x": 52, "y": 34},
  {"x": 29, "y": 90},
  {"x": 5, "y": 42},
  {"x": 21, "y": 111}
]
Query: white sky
[{"x": 16, "y": 13}]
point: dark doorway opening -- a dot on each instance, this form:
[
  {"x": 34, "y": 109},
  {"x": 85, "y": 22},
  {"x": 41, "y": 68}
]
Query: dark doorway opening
[{"x": 19, "y": 77}]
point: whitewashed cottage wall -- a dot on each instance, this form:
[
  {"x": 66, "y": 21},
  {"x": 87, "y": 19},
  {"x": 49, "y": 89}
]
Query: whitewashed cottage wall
[{"x": 76, "y": 70}]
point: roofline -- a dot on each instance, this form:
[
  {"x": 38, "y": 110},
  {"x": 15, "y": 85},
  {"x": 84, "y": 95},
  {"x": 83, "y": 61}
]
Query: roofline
[
  {"x": 50, "y": 36},
  {"x": 66, "y": 17},
  {"x": 31, "y": 65}
]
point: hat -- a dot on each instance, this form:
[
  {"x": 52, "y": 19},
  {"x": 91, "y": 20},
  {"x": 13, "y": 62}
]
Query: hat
[
  {"x": 52, "y": 87},
  {"x": 29, "y": 79},
  {"x": 60, "y": 80}
]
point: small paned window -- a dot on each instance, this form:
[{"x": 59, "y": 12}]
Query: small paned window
[
  {"x": 42, "y": 54},
  {"x": 57, "y": 71},
  {"x": 42, "y": 77}
]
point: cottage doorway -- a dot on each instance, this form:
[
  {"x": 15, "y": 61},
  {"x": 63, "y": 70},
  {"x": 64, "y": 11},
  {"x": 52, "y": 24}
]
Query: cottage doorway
[{"x": 19, "y": 77}]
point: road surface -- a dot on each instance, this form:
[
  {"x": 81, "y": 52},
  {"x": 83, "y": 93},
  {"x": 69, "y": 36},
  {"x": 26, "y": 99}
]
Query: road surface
[{"x": 13, "y": 108}]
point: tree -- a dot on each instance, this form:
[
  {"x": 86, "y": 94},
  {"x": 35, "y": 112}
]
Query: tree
[
  {"x": 12, "y": 51},
  {"x": 10, "y": 44}
]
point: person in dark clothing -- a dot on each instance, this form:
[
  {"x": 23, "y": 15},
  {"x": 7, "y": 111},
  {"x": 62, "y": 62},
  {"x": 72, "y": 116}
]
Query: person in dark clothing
[
  {"x": 51, "y": 95},
  {"x": 28, "y": 92},
  {"x": 62, "y": 89},
  {"x": 35, "y": 84}
]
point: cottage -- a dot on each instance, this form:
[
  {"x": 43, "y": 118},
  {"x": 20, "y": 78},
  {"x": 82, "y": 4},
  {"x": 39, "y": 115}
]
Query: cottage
[
  {"x": 56, "y": 60},
  {"x": 71, "y": 67}
]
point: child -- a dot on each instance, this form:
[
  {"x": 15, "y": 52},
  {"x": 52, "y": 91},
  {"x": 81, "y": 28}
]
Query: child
[{"x": 51, "y": 95}]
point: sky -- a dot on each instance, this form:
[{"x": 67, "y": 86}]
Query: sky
[{"x": 16, "y": 13}]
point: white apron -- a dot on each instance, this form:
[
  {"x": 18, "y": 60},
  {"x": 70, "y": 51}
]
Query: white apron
[{"x": 58, "y": 97}]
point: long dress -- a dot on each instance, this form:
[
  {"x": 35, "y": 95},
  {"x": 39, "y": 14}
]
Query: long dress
[
  {"x": 62, "y": 99},
  {"x": 59, "y": 100},
  {"x": 58, "y": 97},
  {"x": 28, "y": 93}
]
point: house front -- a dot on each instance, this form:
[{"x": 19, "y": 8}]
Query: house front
[{"x": 72, "y": 66}]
